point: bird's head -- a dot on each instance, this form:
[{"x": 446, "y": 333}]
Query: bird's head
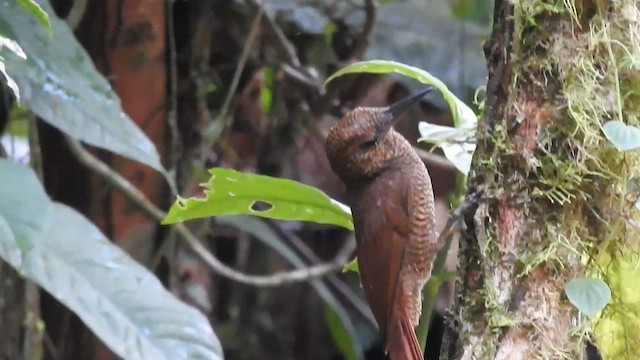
[{"x": 363, "y": 143}]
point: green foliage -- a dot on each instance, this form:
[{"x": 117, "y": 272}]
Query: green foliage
[
  {"x": 69, "y": 257},
  {"x": 340, "y": 335},
  {"x": 53, "y": 75},
  {"x": 329, "y": 31},
  {"x": 18, "y": 124},
  {"x": 8, "y": 45},
  {"x": 37, "y": 11},
  {"x": 416, "y": 32},
  {"x": 351, "y": 266},
  {"x": 266, "y": 91},
  {"x": 230, "y": 192},
  {"x": 588, "y": 295},
  {"x": 120, "y": 300},
  {"x": 478, "y": 11},
  {"x": 618, "y": 328}
]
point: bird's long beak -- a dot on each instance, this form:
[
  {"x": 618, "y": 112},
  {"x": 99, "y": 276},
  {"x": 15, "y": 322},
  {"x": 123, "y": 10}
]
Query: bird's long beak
[{"x": 393, "y": 111}]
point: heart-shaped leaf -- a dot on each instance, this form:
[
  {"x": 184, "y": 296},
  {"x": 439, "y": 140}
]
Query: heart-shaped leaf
[
  {"x": 624, "y": 137},
  {"x": 588, "y": 295}
]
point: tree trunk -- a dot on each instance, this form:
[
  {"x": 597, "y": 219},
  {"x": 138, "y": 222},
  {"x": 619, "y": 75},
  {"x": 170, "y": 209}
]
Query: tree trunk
[{"x": 554, "y": 194}]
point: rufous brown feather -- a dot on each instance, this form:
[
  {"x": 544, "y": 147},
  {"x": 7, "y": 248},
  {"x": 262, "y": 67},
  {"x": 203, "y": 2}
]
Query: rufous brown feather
[{"x": 390, "y": 194}]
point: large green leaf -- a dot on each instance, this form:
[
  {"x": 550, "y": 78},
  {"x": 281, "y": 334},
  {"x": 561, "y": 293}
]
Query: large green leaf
[
  {"x": 37, "y": 11},
  {"x": 8, "y": 45},
  {"x": 24, "y": 204},
  {"x": 121, "y": 301},
  {"x": 8, "y": 251},
  {"x": 230, "y": 192},
  {"x": 58, "y": 81}
]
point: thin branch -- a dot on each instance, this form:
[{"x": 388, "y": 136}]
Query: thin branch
[
  {"x": 193, "y": 243},
  {"x": 172, "y": 116},
  {"x": 370, "y": 11},
  {"x": 284, "y": 43},
  {"x": 213, "y": 130},
  {"x": 454, "y": 219},
  {"x": 33, "y": 333},
  {"x": 76, "y": 13},
  {"x": 361, "y": 308},
  {"x": 302, "y": 77}
]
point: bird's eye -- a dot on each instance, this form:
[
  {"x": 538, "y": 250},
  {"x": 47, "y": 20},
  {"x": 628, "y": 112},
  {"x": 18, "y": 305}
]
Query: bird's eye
[{"x": 369, "y": 143}]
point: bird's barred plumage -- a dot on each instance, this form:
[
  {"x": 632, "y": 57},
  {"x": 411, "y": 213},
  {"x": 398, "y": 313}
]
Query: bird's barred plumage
[{"x": 390, "y": 193}]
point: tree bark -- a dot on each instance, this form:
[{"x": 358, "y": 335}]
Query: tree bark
[{"x": 552, "y": 186}]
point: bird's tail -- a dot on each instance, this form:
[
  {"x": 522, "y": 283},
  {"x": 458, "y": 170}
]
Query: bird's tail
[{"x": 402, "y": 343}]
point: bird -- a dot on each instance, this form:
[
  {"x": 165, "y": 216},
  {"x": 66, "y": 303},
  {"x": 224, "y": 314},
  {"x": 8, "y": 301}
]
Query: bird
[{"x": 390, "y": 194}]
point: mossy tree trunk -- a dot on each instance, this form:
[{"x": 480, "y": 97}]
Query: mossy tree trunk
[{"x": 555, "y": 204}]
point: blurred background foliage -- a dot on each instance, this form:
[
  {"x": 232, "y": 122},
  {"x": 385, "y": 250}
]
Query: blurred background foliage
[{"x": 241, "y": 83}]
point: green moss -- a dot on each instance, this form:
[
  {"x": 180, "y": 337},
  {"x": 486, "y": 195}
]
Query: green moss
[
  {"x": 598, "y": 84},
  {"x": 580, "y": 179}
]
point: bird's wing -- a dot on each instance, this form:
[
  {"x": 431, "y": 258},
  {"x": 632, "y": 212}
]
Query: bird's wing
[
  {"x": 415, "y": 270},
  {"x": 381, "y": 225}
]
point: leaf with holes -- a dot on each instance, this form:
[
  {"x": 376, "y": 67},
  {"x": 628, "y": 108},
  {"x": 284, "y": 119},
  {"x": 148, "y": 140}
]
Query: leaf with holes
[
  {"x": 588, "y": 295},
  {"x": 230, "y": 192},
  {"x": 624, "y": 137},
  {"x": 463, "y": 116}
]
